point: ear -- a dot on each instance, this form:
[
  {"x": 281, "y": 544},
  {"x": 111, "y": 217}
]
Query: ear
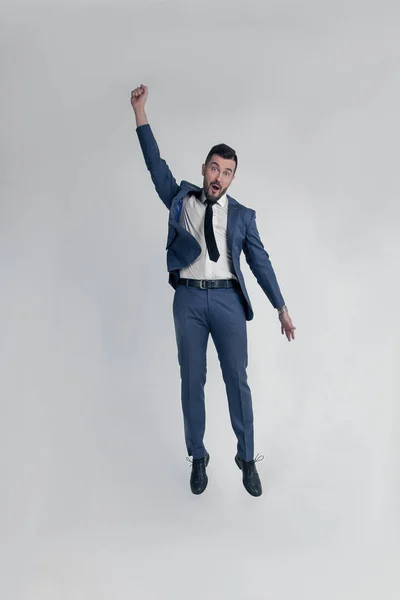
[{"x": 203, "y": 169}]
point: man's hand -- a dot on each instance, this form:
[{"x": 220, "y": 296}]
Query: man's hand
[
  {"x": 287, "y": 325},
  {"x": 139, "y": 97}
]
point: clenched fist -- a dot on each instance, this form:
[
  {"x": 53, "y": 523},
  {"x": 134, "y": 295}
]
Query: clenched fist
[{"x": 139, "y": 97}]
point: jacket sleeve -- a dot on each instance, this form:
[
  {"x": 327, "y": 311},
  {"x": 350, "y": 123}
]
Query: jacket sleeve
[
  {"x": 163, "y": 180},
  {"x": 258, "y": 260}
]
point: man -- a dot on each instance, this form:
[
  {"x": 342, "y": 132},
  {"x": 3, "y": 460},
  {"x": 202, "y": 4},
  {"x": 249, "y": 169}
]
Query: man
[{"x": 208, "y": 229}]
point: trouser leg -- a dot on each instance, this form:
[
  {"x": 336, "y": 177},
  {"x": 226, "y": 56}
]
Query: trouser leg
[
  {"x": 229, "y": 332},
  {"x": 192, "y": 332}
]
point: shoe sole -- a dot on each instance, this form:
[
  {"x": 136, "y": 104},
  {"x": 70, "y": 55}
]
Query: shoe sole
[{"x": 245, "y": 487}]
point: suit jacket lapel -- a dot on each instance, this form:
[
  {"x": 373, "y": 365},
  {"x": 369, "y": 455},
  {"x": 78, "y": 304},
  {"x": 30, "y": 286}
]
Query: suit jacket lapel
[
  {"x": 232, "y": 220},
  {"x": 177, "y": 202}
]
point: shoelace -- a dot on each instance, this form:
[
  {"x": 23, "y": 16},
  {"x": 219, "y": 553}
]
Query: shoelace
[
  {"x": 201, "y": 470},
  {"x": 252, "y": 465},
  {"x": 189, "y": 460}
]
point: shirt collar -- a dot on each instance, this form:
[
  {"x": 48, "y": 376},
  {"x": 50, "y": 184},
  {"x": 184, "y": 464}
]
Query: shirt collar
[{"x": 222, "y": 201}]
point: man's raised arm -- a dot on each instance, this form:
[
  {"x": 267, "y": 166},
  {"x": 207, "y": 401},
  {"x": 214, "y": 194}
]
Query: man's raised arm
[{"x": 163, "y": 180}]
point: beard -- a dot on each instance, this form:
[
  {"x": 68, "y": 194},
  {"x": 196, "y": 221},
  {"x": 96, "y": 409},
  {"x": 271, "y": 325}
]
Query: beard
[{"x": 210, "y": 194}]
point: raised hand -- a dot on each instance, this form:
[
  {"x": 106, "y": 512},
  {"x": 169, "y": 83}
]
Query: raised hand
[{"x": 139, "y": 97}]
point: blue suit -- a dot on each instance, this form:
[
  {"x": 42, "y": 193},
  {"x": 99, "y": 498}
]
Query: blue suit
[{"x": 220, "y": 312}]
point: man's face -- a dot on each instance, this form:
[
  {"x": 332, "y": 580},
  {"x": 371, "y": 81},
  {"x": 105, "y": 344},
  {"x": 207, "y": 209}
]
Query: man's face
[{"x": 217, "y": 176}]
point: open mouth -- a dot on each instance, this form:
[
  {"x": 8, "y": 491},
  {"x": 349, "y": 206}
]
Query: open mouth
[{"x": 214, "y": 188}]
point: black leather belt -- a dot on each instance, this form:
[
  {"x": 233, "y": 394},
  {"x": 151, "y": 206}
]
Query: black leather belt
[{"x": 207, "y": 284}]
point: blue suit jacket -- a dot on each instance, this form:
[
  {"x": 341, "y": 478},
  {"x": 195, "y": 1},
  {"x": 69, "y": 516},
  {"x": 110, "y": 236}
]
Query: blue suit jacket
[{"x": 183, "y": 248}]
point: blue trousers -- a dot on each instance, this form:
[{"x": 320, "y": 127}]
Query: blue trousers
[{"x": 219, "y": 312}]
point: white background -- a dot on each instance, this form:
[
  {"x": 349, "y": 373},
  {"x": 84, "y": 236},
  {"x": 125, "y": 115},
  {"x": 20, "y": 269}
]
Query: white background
[{"x": 95, "y": 500}]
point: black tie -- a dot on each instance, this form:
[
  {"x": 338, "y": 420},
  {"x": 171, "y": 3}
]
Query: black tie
[{"x": 209, "y": 232}]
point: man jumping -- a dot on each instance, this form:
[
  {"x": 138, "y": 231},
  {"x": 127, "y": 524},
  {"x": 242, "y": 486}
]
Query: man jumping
[{"x": 207, "y": 232}]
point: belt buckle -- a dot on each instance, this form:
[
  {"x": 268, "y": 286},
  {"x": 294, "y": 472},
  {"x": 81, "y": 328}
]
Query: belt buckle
[{"x": 203, "y": 284}]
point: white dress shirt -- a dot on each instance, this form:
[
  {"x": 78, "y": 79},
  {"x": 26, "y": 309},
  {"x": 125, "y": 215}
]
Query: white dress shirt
[{"x": 192, "y": 219}]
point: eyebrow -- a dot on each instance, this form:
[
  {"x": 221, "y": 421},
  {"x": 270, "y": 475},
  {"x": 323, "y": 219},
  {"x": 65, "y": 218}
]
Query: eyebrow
[{"x": 227, "y": 169}]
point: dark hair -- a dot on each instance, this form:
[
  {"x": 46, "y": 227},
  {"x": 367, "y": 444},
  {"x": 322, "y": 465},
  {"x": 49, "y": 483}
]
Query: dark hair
[{"x": 223, "y": 151}]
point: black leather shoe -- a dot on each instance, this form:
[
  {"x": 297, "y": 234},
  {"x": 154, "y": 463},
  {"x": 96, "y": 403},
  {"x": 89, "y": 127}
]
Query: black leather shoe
[
  {"x": 198, "y": 478},
  {"x": 251, "y": 479}
]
